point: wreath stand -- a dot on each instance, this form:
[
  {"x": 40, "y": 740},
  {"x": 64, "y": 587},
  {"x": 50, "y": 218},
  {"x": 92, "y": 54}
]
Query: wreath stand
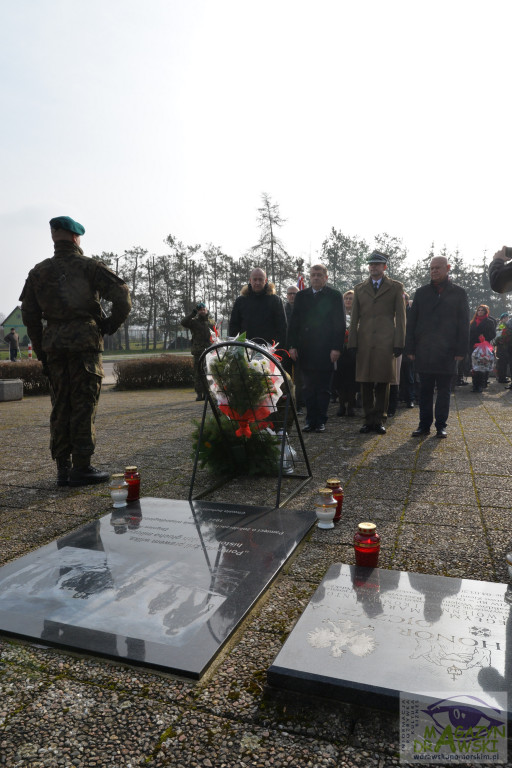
[{"x": 292, "y": 464}]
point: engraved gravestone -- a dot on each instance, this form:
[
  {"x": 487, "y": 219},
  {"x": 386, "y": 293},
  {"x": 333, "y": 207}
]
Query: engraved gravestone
[
  {"x": 369, "y": 634},
  {"x": 161, "y": 583}
]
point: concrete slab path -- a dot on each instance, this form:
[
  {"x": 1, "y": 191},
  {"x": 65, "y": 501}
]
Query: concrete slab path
[{"x": 441, "y": 507}]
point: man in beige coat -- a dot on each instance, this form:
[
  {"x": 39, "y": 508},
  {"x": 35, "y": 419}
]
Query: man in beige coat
[{"x": 377, "y": 335}]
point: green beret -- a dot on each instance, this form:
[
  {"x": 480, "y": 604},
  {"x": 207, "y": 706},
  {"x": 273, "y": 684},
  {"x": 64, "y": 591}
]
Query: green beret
[
  {"x": 377, "y": 258},
  {"x": 65, "y": 222}
]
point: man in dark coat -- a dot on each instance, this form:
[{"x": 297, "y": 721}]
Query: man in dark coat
[
  {"x": 13, "y": 340},
  {"x": 201, "y": 328},
  {"x": 259, "y": 311},
  {"x": 316, "y": 336},
  {"x": 60, "y": 305},
  {"x": 437, "y": 337}
]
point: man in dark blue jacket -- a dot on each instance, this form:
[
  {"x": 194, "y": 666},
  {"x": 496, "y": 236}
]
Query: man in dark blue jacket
[
  {"x": 437, "y": 338},
  {"x": 315, "y": 338}
]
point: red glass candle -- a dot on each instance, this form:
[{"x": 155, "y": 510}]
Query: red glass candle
[
  {"x": 367, "y": 545},
  {"x": 337, "y": 491},
  {"x": 132, "y": 477}
]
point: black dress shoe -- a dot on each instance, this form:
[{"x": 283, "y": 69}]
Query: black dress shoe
[
  {"x": 421, "y": 431},
  {"x": 366, "y": 428},
  {"x": 308, "y": 428},
  {"x": 87, "y": 476},
  {"x": 441, "y": 433},
  {"x": 380, "y": 429},
  {"x": 410, "y": 404},
  {"x": 320, "y": 428}
]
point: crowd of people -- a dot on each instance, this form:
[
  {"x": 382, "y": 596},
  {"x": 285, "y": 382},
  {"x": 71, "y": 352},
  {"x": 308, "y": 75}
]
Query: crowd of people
[
  {"x": 366, "y": 347},
  {"x": 373, "y": 346}
]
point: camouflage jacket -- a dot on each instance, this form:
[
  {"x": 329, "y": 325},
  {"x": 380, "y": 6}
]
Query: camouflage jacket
[{"x": 60, "y": 302}]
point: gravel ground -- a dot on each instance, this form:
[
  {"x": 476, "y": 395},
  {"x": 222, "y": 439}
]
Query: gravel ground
[{"x": 64, "y": 710}]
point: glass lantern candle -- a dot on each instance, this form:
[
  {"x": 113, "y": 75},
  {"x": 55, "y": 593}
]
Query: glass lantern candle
[
  {"x": 337, "y": 491},
  {"x": 118, "y": 488},
  {"x": 132, "y": 477},
  {"x": 325, "y": 508},
  {"x": 367, "y": 545}
]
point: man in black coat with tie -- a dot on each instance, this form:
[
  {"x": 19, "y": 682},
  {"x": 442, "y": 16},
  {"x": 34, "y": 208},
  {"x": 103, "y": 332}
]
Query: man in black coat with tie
[{"x": 315, "y": 336}]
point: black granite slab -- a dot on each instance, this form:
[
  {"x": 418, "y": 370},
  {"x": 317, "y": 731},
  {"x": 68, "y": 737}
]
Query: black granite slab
[
  {"x": 368, "y": 635},
  {"x": 161, "y": 583}
]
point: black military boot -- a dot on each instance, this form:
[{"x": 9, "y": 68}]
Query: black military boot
[
  {"x": 83, "y": 473},
  {"x": 63, "y": 468}
]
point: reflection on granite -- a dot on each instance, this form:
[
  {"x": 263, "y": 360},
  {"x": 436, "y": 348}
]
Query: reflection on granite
[
  {"x": 369, "y": 634},
  {"x": 161, "y": 582}
]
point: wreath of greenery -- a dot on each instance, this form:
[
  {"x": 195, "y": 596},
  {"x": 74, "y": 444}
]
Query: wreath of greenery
[
  {"x": 226, "y": 454},
  {"x": 244, "y": 382}
]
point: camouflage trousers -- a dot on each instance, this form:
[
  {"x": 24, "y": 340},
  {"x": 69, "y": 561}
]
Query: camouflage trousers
[
  {"x": 198, "y": 380},
  {"x": 75, "y": 386}
]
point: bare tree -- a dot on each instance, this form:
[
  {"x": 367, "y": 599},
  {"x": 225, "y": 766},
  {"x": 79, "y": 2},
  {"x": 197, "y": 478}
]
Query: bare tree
[{"x": 131, "y": 272}]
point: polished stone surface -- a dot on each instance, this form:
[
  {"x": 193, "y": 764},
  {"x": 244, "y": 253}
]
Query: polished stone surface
[
  {"x": 161, "y": 583},
  {"x": 369, "y": 634}
]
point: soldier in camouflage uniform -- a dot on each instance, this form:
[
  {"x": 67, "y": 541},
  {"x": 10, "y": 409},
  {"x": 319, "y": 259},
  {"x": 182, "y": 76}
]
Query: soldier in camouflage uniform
[
  {"x": 200, "y": 326},
  {"x": 61, "y": 309}
]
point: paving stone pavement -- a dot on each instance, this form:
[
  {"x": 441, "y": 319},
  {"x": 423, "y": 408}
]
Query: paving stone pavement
[{"x": 441, "y": 506}]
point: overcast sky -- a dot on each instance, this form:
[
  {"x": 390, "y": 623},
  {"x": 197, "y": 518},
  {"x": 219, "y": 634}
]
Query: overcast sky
[{"x": 147, "y": 118}]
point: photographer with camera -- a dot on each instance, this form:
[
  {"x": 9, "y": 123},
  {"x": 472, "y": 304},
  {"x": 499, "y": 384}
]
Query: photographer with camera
[{"x": 201, "y": 328}]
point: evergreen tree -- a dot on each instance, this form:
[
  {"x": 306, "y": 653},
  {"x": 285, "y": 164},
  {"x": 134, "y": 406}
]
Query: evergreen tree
[
  {"x": 269, "y": 246},
  {"x": 345, "y": 258}
]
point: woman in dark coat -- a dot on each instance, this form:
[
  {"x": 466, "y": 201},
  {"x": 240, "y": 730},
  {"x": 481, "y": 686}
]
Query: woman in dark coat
[
  {"x": 481, "y": 325},
  {"x": 345, "y": 375}
]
